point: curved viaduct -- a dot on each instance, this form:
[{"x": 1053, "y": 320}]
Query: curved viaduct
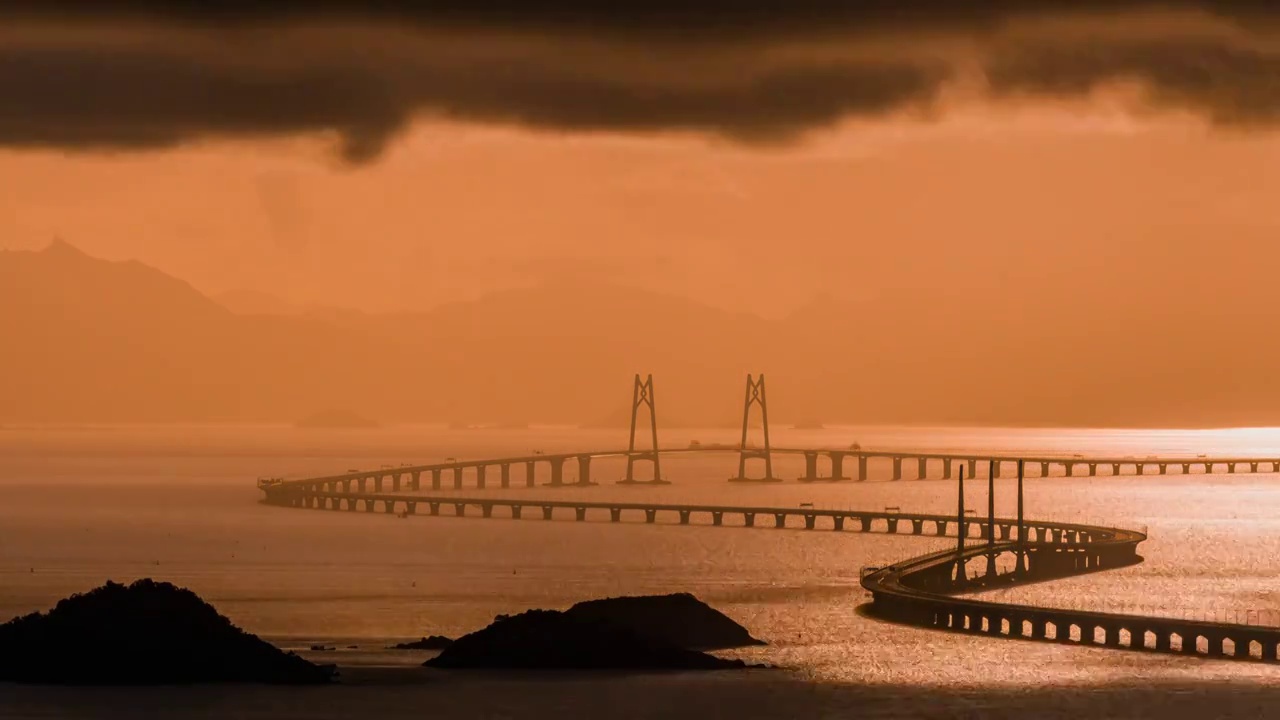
[{"x": 930, "y": 591}]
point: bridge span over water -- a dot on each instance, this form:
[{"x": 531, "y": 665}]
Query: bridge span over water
[
  {"x": 821, "y": 465},
  {"x": 932, "y": 590}
]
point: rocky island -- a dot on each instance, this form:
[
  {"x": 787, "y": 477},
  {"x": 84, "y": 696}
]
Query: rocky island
[
  {"x": 679, "y": 619},
  {"x": 634, "y": 633},
  {"x": 432, "y": 642},
  {"x": 146, "y": 633}
]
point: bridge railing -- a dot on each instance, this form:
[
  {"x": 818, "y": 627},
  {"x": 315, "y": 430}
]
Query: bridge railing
[
  {"x": 934, "y": 548},
  {"x": 1255, "y": 617}
]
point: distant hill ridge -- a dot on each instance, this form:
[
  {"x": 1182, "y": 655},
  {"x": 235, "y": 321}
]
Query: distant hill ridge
[{"x": 89, "y": 340}]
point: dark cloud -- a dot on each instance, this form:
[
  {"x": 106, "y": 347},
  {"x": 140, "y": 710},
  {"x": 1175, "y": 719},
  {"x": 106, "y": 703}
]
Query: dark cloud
[
  {"x": 1230, "y": 83},
  {"x": 626, "y": 16},
  {"x": 133, "y": 74},
  {"x": 159, "y": 90}
]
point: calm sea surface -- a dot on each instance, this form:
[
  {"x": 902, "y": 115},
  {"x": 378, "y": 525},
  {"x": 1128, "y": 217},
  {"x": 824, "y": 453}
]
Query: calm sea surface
[{"x": 82, "y": 505}]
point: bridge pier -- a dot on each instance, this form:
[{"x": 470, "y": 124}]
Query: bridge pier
[
  {"x": 389, "y": 506},
  {"x": 361, "y": 484},
  {"x": 557, "y": 472},
  {"x": 580, "y": 514},
  {"x": 377, "y": 483},
  {"x": 530, "y": 474},
  {"x": 917, "y": 527},
  {"x": 1164, "y": 639},
  {"x": 940, "y": 527},
  {"x": 1231, "y": 468},
  {"x": 1044, "y": 469},
  {"x": 684, "y": 517},
  {"x": 650, "y": 516},
  {"x": 717, "y": 518},
  {"x": 810, "y": 521},
  {"x": 505, "y": 475},
  {"x": 415, "y": 480},
  {"x": 1113, "y": 636},
  {"x": 486, "y": 510},
  {"x": 460, "y": 509},
  {"x": 1186, "y": 468},
  {"x": 615, "y": 514},
  {"x": 584, "y": 470},
  {"x": 1253, "y": 467},
  {"x": 897, "y": 468},
  {"x": 368, "y": 505},
  {"x": 837, "y": 522},
  {"x": 1141, "y": 468},
  {"x": 435, "y": 508},
  {"x": 410, "y": 507},
  {"x": 810, "y": 467},
  {"x": 749, "y": 519},
  {"x": 1208, "y": 468},
  {"x": 395, "y": 482},
  {"x": 515, "y": 511},
  {"x": 862, "y": 467},
  {"x": 1115, "y": 468},
  {"x": 546, "y": 512},
  {"x": 837, "y": 465},
  {"x": 946, "y": 468},
  {"x": 922, "y": 468},
  {"x": 457, "y": 477},
  {"x": 892, "y": 525},
  {"x": 973, "y": 468},
  {"x": 779, "y": 520},
  {"x": 480, "y": 472},
  {"x": 435, "y": 478}
]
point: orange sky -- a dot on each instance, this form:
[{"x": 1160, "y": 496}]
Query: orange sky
[{"x": 1081, "y": 198}]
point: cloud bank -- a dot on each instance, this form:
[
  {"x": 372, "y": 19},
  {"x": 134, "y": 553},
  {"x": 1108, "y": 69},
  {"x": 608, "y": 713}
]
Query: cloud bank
[{"x": 116, "y": 74}]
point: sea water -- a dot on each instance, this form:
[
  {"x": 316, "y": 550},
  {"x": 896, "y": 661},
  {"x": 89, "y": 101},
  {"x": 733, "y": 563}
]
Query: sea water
[{"x": 80, "y": 505}]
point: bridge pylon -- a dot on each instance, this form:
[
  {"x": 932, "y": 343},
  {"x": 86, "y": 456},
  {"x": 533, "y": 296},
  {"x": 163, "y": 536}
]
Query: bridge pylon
[
  {"x": 642, "y": 395},
  {"x": 755, "y": 395}
]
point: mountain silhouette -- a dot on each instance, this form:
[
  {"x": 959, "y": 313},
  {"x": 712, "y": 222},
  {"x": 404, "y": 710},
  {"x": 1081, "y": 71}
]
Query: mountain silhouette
[{"x": 91, "y": 340}]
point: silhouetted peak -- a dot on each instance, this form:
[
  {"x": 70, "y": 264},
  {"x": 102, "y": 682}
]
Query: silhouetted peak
[{"x": 61, "y": 248}]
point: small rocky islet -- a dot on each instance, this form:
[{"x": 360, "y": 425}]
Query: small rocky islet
[
  {"x": 429, "y": 642},
  {"x": 662, "y": 632},
  {"x": 144, "y": 633}
]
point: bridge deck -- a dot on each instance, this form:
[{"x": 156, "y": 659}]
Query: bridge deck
[{"x": 1271, "y": 463}]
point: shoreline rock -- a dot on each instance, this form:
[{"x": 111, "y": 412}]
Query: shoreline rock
[
  {"x": 146, "y": 633},
  {"x": 432, "y": 642},
  {"x": 661, "y": 632},
  {"x": 678, "y": 619},
  {"x": 555, "y": 640}
]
